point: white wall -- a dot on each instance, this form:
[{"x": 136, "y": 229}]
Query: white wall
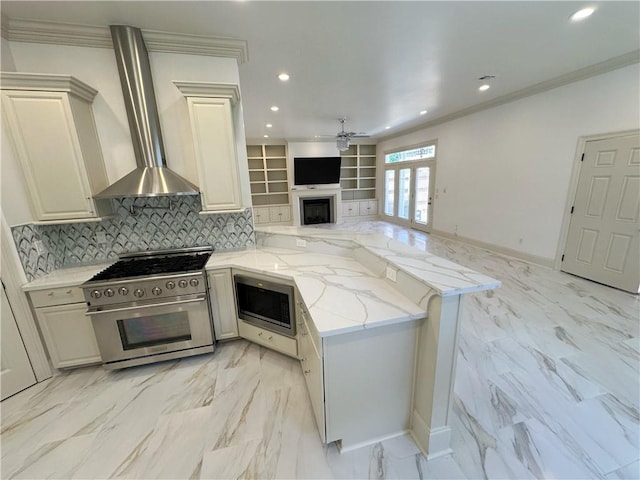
[
  {"x": 506, "y": 170},
  {"x": 97, "y": 67}
]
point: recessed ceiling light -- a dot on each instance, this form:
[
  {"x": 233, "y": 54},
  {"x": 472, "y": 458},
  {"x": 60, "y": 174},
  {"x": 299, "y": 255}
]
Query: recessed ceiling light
[
  {"x": 582, "y": 14},
  {"x": 423, "y": 112},
  {"x": 484, "y": 88},
  {"x": 283, "y": 76},
  {"x": 266, "y": 136},
  {"x": 268, "y": 125},
  {"x": 275, "y": 108},
  {"x": 387, "y": 127}
]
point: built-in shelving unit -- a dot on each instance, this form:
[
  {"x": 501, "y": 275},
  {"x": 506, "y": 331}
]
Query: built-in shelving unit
[
  {"x": 268, "y": 174},
  {"x": 358, "y": 173}
]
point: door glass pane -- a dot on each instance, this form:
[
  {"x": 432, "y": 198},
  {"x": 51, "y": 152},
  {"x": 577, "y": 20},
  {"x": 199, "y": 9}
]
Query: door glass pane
[
  {"x": 389, "y": 191},
  {"x": 154, "y": 330},
  {"x": 422, "y": 195},
  {"x": 404, "y": 192}
]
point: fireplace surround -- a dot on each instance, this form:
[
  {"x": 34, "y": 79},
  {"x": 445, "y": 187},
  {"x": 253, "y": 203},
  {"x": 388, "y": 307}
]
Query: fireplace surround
[{"x": 317, "y": 200}]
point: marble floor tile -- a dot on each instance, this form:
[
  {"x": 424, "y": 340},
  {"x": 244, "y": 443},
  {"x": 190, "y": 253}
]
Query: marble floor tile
[{"x": 547, "y": 386}]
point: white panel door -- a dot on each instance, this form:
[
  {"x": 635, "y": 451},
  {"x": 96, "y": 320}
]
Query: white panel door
[
  {"x": 16, "y": 373},
  {"x": 603, "y": 239}
]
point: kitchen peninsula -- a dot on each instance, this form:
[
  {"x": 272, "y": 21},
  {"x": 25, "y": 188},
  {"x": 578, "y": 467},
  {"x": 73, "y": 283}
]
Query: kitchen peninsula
[{"x": 377, "y": 328}]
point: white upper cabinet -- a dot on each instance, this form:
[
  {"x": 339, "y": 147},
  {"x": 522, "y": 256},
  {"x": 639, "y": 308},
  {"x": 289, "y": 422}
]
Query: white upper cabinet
[
  {"x": 211, "y": 116},
  {"x": 50, "y": 121}
]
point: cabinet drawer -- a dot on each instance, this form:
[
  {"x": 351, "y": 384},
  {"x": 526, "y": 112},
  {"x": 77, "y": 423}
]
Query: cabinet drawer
[
  {"x": 56, "y": 296},
  {"x": 268, "y": 339}
]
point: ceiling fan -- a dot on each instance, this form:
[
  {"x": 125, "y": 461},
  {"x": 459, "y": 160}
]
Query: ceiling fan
[{"x": 343, "y": 138}]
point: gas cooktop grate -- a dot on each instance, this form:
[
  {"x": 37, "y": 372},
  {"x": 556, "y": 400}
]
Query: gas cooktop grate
[{"x": 155, "y": 265}]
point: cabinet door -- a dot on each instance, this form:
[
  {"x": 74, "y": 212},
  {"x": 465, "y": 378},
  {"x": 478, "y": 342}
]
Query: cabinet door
[
  {"x": 223, "y": 305},
  {"x": 280, "y": 214},
  {"x": 46, "y": 142},
  {"x": 311, "y": 363},
  {"x": 369, "y": 208},
  {"x": 261, "y": 215},
  {"x": 215, "y": 151},
  {"x": 69, "y": 335},
  {"x": 349, "y": 209}
]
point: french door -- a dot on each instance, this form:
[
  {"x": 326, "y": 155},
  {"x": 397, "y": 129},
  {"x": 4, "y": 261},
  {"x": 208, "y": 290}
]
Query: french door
[{"x": 409, "y": 194}]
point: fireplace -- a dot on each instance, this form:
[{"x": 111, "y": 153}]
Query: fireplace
[
  {"x": 316, "y": 205},
  {"x": 315, "y": 210}
]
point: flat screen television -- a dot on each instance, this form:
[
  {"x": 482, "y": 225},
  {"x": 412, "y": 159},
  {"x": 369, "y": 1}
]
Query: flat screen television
[{"x": 316, "y": 170}]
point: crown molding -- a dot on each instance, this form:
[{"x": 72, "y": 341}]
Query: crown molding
[
  {"x": 609, "y": 65},
  {"x": 208, "y": 89},
  {"x": 47, "y": 82},
  {"x": 37, "y": 31}
]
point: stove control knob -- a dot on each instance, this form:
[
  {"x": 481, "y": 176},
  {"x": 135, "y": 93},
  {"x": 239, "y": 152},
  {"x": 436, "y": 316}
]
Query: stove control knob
[
  {"x": 194, "y": 282},
  {"x": 138, "y": 292},
  {"x": 96, "y": 293},
  {"x": 171, "y": 285},
  {"x": 156, "y": 291},
  {"x": 183, "y": 284},
  {"x": 123, "y": 290},
  {"x": 109, "y": 292}
]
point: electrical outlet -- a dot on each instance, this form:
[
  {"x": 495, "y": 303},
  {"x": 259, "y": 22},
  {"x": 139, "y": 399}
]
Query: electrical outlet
[
  {"x": 391, "y": 274},
  {"x": 229, "y": 228},
  {"x": 101, "y": 238},
  {"x": 301, "y": 242}
]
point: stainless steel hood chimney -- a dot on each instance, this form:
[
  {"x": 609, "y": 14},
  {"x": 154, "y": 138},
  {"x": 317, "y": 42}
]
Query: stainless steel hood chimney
[{"x": 151, "y": 177}]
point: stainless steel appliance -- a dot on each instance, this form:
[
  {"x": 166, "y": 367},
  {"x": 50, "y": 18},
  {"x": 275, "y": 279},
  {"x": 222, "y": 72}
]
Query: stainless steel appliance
[
  {"x": 151, "y": 306},
  {"x": 266, "y": 304}
]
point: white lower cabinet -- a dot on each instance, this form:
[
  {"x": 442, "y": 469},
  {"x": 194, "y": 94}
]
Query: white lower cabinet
[
  {"x": 311, "y": 361},
  {"x": 360, "y": 383},
  {"x": 272, "y": 214},
  {"x": 280, "y": 214},
  {"x": 225, "y": 318},
  {"x": 350, "y": 209},
  {"x": 369, "y": 207},
  {"x": 269, "y": 339},
  {"x": 67, "y": 331},
  {"x": 353, "y": 210},
  {"x": 261, "y": 215}
]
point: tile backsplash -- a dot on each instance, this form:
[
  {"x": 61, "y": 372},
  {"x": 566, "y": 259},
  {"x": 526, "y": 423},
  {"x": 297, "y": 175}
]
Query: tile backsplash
[{"x": 150, "y": 223}]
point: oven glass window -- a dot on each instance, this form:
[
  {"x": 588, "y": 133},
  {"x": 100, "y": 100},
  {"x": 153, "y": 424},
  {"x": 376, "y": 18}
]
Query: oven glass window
[
  {"x": 268, "y": 305},
  {"x": 154, "y": 330}
]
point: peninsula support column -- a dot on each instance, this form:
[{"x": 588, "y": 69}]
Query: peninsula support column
[{"x": 435, "y": 374}]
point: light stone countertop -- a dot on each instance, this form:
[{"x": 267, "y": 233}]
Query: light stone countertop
[
  {"x": 65, "y": 277},
  {"x": 343, "y": 288},
  {"x": 340, "y": 293},
  {"x": 445, "y": 277}
]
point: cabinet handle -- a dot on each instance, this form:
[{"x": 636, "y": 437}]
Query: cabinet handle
[
  {"x": 303, "y": 359},
  {"x": 307, "y": 372},
  {"x": 50, "y": 294},
  {"x": 69, "y": 292}
]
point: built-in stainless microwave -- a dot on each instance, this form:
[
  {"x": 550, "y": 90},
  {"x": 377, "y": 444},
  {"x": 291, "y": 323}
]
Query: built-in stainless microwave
[{"x": 266, "y": 304}]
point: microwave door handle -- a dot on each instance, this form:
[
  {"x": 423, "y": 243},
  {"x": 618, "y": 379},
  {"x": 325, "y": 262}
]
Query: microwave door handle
[{"x": 94, "y": 311}]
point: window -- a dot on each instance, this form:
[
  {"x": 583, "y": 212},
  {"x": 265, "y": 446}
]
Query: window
[
  {"x": 420, "y": 153},
  {"x": 409, "y": 179}
]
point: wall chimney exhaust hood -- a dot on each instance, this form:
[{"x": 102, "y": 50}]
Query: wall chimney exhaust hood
[{"x": 151, "y": 177}]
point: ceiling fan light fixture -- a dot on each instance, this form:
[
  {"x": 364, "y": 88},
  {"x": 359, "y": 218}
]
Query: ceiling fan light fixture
[{"x": 342, "y": 143}]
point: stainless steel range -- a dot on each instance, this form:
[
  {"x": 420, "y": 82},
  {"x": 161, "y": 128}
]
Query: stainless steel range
[{"x": 151, "y": 306}]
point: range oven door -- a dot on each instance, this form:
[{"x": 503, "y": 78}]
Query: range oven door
[{"x": 144, "y": 330}]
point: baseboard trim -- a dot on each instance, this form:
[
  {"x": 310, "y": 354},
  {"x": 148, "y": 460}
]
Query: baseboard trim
[
  {"x": 527, "y": 257},
  {"x": 433, "y": 443},
  {"x": 342, "y": 448}
]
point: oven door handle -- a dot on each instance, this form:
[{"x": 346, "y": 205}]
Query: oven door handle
[{"x": 97, "y": 311}]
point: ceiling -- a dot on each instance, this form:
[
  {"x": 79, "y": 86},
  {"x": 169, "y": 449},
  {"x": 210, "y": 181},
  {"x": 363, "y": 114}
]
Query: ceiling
[{"x": 376, "y": 63}]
